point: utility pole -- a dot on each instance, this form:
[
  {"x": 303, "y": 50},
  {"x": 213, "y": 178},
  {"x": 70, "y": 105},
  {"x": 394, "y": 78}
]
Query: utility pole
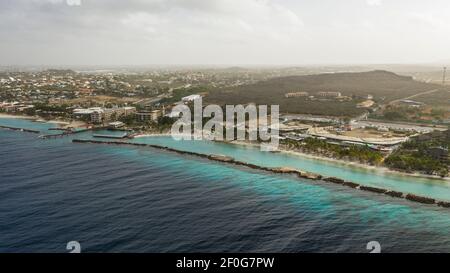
[{"x": 444, "y": 75}]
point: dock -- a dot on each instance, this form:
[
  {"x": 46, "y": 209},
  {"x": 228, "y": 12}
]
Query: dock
[
  {"x": 110, "y": 136},
  {"x": 56, "y": 135},
  {"x": 20, "y": 129},
  {"x": 63, "y": 134},
  {"x": 58, "y": 129}
]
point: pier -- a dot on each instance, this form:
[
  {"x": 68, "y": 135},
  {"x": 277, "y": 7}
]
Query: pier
[
  {"x": 288, "y": 171},
  {"x": 58, "y": 129},
  {"x": 63, "y": 134},
  {"x": 56, "y": 135},
  {"x": 110, "y": 136},
  {"x": 20, "y": 129}
]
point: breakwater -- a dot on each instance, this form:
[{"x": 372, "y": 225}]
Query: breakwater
[
  {"x": 20, "y": 129},
  {"x": 283, "y": 170},
  {"x": 63, "y": 134},
  {"x": 66, "y": 132},
  {"x": 110, "y": 136}
]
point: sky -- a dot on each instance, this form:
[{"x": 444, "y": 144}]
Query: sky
[{"x": 223, "y": 32}]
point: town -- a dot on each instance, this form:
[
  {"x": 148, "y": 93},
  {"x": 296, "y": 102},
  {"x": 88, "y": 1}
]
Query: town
[{"x": 142, "y": 102}]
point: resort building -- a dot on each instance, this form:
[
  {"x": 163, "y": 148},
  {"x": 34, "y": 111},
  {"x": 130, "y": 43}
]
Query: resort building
[
  {"x": 143, "y": 116},
  {"x": 14, "y": 107},
  {"x": 296, "y": 94},
  {"x": 329, "y": 94},
  {"x": 149, "y": 115},
  {"x": 116, "y": 124},
  {"x": 99, "y": 115}
]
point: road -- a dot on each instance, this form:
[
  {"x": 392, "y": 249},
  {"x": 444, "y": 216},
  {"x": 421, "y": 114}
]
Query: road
[
  {"x": 414, "y": 96},
  {"x": 382, "y": 107}
]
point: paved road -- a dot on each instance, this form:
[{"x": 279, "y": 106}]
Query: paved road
[
  {"x": 414, "y": 96},
  {"x": 382, "y": 107}
]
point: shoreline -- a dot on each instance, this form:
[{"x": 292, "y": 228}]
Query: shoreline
[
  {"x": 62, "y": 123},
  {"x": 151, "y": 135},
  {"x": 291, "y": 171},
  {"x": 285, "y": 171},
  {"x": 379, "y": 169},
  {"x": 376, "y": 169},
  {"x": 4, "y": 115}
]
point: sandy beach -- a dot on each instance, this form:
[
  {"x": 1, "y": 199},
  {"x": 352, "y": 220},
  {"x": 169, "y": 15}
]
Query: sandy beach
[
  {"x": 378, "y": 169},
  {"x": 3, "y": 115},
  {"x": 69, "y": 124}
]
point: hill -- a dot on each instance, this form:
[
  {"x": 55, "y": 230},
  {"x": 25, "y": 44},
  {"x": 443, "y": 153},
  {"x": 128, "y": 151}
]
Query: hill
[{"x": 384, "y": 86}]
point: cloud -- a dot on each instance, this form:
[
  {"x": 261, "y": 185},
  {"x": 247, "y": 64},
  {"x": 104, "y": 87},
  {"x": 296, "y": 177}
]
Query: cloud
[
  {"x": 115, "y": 27},
  {"x": 211, "y": 17},
  {"x": 220, "y": 31},
  {"x": 374, "y": 2},
  {"x": 55, "y": 2},
  {"x": 73, "y": 2}
]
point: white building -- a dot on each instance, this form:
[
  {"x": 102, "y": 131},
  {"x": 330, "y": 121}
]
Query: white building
[
  {"x": 149, "y": 115},
  {"x": 191, "y": 98},
  {"x": 116, "y": 124},
  {"x": 296, "y": 94},
  {"x": 329, "y": 94},
  {"x": 99, "y": 114}
]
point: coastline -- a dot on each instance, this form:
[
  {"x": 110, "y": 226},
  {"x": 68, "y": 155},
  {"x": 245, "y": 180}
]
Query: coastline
[
  {"x": 286, "y": 171},
  {"x": 62, "y": 123},
  {"x": 3, "y": 115},
  {"x": 151, "y": 135},
  {"x": 378, "y": 169},
  {"x": 316, "y": 175}
]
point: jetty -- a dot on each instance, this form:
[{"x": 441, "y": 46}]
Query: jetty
[
  {"x": 66, "y": 132},
  {"x": 20, "y": 129},
  {"x": 283, "y": 170},
  {"x": 63, "y": 134},
  {"x": 58, "y": 129},
  {"x": 110, "y": 136}
]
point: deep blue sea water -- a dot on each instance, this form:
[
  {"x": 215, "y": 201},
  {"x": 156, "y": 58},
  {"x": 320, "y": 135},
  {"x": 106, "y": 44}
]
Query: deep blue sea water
[{"x": 128, "y": 199}]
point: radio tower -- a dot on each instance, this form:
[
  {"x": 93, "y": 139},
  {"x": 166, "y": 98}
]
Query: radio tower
[{"x": 444, "y": 75}]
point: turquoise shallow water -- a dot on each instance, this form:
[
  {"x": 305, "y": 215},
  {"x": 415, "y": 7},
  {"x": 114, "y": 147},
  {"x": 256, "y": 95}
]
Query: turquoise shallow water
[
  {"x": 27, "y": 124},
  {"x": 129, "y": 199},
  {"x": 438, "y": 189}
]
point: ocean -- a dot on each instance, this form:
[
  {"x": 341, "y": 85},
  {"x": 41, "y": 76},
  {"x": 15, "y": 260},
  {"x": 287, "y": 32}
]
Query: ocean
[{"x": 129, "y": 199}]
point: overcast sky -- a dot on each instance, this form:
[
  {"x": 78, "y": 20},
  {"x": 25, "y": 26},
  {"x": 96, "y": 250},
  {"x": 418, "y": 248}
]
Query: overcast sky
[{"x": 230, "y": 32}]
